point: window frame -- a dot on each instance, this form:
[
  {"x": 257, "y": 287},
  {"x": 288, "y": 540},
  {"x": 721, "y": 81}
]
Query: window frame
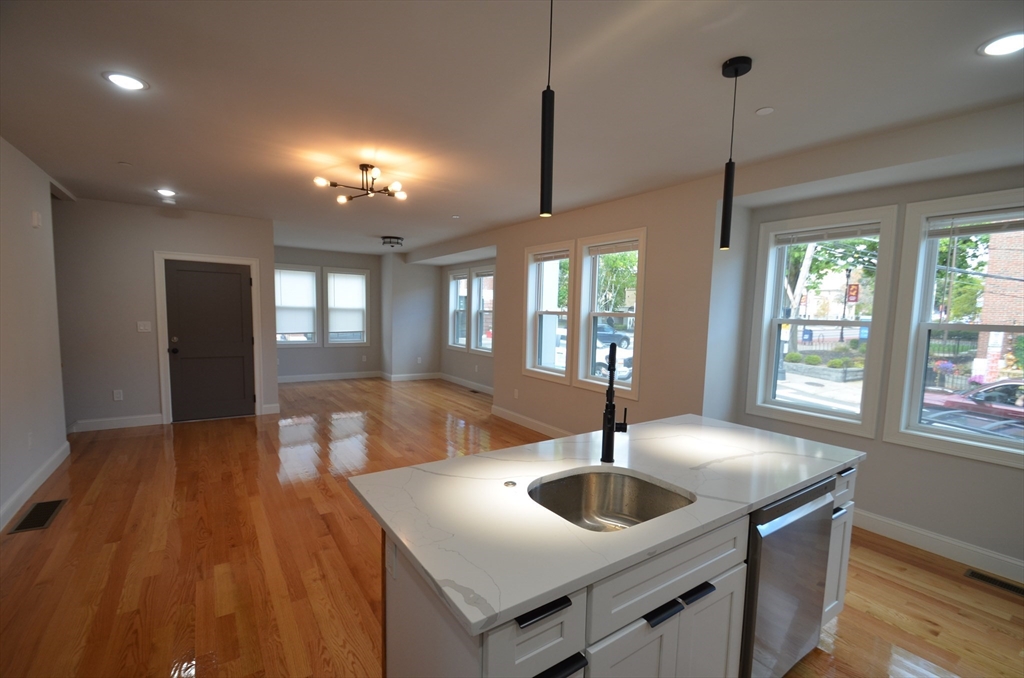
[
  {"x": 906, "y": 371},
  {"x": 533, "y": 312},
  {"x": 476, "y": 308},
  {"x": 318, "y": 292},
  {"x": 453, "y": 277},
  {"x": 763, "y": 343},
  {"x": 585, "y": 276},
  {"x": 327, "y": 270}
]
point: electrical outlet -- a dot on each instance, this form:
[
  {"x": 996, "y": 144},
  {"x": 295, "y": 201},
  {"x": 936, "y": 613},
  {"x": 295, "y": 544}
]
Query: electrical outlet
[
  {"x": 419, "y": 360},
  {"x": 118, "y": 394},
  {"x": 364, "y": 358},
  {"x": 515, "y": 393},
  {"x": 144, "y": 326}
]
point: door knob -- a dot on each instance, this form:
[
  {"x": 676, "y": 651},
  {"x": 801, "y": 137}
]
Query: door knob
[{"x": 173, "y": 350}]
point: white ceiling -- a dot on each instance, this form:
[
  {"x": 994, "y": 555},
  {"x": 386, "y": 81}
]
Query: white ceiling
[{"x": 250, "y": 100}]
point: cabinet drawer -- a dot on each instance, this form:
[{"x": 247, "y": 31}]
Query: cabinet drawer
[
  {"x": 630, "y": 594},
  {"x": 517, "y": 652},
  {"x": 845, "y": 481},
  {"x": 637, "y": 651}
]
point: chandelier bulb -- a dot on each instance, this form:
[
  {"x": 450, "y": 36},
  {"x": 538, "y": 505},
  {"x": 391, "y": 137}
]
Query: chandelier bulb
[
  {"x": 342, "y": 199},
  {"x": 375, "y": 173},
  {"x": 401, "y": 195},
  {"x": 320, "y": 181},
  {"x": 395, "y": 186}
]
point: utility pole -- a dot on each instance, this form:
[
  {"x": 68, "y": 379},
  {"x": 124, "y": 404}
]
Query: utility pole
[{"x": 846, "y": 296}]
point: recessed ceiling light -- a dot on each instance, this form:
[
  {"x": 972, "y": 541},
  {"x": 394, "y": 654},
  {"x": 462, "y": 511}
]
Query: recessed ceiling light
[
  {"x": 166, "y": 192},
  {"x": 1008, "y": 44},
  {"x": 122, "y": 163},
  {"x": 767, "y": 110},
  {"x": 125, "y": 81},
  {"x": 455, "y": 216}
]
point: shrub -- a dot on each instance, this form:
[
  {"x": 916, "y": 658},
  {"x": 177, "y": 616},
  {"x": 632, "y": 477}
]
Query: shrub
[
  {"x": 857, "y": 362},
  {"x": 854, "y": 344},
  {"x": 863, "y": 349},
  {"x": 841, "y": 348},
  {"x": 836, "y": 363},
  {"x": 812, "y": 360},
  {"x": 794, "y": 357}
]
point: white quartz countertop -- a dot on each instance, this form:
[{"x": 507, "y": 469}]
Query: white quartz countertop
[{"x": 492, "y": 553}]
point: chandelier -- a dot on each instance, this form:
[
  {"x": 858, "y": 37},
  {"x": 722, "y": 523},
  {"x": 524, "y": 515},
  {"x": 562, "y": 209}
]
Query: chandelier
[{"x": 368, "y": 178}]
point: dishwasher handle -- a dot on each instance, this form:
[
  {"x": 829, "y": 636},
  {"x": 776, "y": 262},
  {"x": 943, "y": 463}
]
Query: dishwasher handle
[{"x": 796, "y": 514}]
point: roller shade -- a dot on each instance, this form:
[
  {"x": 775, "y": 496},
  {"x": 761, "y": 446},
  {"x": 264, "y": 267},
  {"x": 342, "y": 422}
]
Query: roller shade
[
  {"x": 296, "y": 320},
  {"x": 551, "y": 256},
  {"x": 977, "y": 223},
  {"x": 840, "y": 233},
  {"x": 614, "y": 248}
]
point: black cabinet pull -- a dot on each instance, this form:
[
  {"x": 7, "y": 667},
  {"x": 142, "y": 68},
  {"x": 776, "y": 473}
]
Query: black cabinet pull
[
  {"x": 698, "y": 592},
  {"x": 565, "y": 668},
  {"x": 662, "y": 614},
  {"x": 545, "y": 610},
  {"x": 843, "y": 474}
]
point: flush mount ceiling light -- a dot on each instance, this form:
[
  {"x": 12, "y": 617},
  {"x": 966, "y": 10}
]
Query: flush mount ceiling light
[
  {"x": 733, "y": 68},
  {"x": 392, "y": 240},
  {"x": 1008, "y": 44},
  {"x": 166, "y": 192},
  {"x": 125, "y": 81},
  {"x": 368, "y": 178},
  {"x": 547, "y": 130}
]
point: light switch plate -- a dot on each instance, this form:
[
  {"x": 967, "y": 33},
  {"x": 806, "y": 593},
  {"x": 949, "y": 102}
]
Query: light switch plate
[{"x": 145, "y": 326}]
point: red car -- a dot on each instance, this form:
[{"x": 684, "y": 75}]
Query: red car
[{"x": 1000, "y": 398}]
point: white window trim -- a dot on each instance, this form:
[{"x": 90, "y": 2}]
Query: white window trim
[
  {"x": 529, "y": 326},
  {"x": 582, "y": 315},
  {"x": 319, "y": 342},
  {"x": 452, "y": 277},
  {"x": 475, "y": 308},
  {"x": 762, "y": 344},
  {"x": 903, "y": 374},
  {"x": 326, "y": 309}
]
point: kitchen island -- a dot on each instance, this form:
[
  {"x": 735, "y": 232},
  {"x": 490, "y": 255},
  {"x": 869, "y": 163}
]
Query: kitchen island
[{"x": 467, "y": 550}]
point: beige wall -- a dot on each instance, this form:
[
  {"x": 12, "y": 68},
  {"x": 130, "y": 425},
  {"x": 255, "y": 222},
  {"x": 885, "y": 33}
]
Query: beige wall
[
  {"x": 412, "y": 318},
  {"x": 474, "y": 370},
  {"x": 32, "y": 437},
  {"x": 296, "y": 363},
  {"x": 106, "y": 283}
]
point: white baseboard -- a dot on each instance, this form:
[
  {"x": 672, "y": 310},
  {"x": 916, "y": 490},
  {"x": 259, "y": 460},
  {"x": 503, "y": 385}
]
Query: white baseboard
[
  {"x": 529, "y": 423},
  {"x": 489, "y": 390},
  {"x": 947, "y": 547},
  {"x": 272, "y": 408},
  {"x": 295, "y": 378},
  {"x": 116, "y": 422},
  {"x": 14, "y": 503},
  {"x": 411, "y": 377}
]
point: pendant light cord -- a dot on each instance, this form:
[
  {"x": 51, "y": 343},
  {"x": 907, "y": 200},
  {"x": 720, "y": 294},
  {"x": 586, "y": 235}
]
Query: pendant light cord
[
  {"x": 551, "y": 26},
  {"x": 732, "y": 133}
]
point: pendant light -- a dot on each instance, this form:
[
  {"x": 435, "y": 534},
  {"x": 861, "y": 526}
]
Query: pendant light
[
  {"x": 547, "y": 131},
  {"x": 733, "y": 68}
]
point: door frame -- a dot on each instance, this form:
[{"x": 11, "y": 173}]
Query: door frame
[{"x": 159, "y": 259}]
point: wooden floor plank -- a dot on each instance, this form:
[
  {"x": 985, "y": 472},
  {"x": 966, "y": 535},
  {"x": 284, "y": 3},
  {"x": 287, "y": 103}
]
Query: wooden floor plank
[{"x": 236, "y": 547}]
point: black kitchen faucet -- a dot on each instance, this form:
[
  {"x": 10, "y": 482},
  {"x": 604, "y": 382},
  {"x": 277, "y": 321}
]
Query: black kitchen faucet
[{"x": 611, "y": 427}]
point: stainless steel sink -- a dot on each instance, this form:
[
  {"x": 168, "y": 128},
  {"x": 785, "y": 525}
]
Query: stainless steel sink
[{"x": 605, "y": 501}]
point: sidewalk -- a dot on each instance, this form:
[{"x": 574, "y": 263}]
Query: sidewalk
[{"x": 805, "y": 390}]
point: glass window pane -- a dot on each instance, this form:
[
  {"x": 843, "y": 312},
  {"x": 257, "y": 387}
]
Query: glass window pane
[
  {"x": 551, "y": 341},
  {"x": 820, "y": 367},
  {"x": 615, "y": 281},
  {"x": 980, "y": 279},
  {"x": 974, "y": 385},
  {"x": 483, "y": 299},
  {"x": 295, "y": 288},
  {"x": 604, "y": 331},
  {"x": 827, "y": 280},
  {"x": 553, "y": 285},
  {"x": 484, "y": 330},
  {"x": 460, "y": 328},
  {"x": 461, "y": 293},
  {"x": 346, "y": 307}
]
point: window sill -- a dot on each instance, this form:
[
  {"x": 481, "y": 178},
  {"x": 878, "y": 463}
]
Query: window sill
[
  {"x": 822, "y": 420},
  {"x": 340, "y": 344},
  {"x": 480, "y": 351},
  {"x": 456, "y": 347},
  {"x": 547, "y": 376},
  {"x": 627, "y": 392},
  {"x": 993, "y": 454},
  {"x": 298, "y": 344}
]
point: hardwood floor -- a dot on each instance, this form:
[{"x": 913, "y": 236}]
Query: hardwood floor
[{"x": 235, "y": 547}]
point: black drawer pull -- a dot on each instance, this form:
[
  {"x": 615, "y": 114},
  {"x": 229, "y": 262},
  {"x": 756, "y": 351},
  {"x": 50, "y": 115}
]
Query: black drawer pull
[
  {"x": 565, "y": 668},
  {"x": 849, "y": 471},
  {"x": 698, "y": 592},
  {"x": 662, "y": 614},
  {"x": 545, "y": 610},
  {"x": 838, "y": 513}
]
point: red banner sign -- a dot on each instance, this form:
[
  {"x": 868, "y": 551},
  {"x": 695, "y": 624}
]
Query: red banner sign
[{"x": 852, "y": 293}]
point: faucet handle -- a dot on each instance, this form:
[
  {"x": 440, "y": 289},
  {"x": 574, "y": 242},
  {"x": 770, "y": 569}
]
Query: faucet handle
[{"x": 620, "y": 426}]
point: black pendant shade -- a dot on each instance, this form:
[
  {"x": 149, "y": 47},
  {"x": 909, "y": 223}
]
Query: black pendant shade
[
  {"x": 547, "y": 150},
  {"x": 733, "y": 68}
]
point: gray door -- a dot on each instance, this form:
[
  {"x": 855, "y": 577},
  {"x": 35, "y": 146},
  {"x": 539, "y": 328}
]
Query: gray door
[{"x": 210, "y": 340}]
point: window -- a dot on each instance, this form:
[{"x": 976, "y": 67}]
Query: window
[
  {"x": 346, "y": 306},
  {"x": 958, "y": 377},
  {"x": 548, "y": 295},
  {"x": 295, "y": 296},
  {"x": 458, "y": 308},
  {"x": 816, "y": 357},
  {"x": 611, "y": 290},
  {"x": 483, "y": 308}
]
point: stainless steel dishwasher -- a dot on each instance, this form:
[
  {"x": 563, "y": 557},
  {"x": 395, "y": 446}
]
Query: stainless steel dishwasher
[{"x": 787, "y": 558}]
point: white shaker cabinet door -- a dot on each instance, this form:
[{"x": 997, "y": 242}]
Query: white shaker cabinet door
[
  {"x": 711, "y": 628},
  {"x": 838, "y": 562},
  {"x": 636, "y": 651}
]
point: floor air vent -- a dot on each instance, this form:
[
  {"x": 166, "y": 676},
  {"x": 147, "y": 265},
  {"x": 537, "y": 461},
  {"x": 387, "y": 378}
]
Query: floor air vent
[
  {"x": 1005, "y": 585},
  {"x": 39, "y": 516}
]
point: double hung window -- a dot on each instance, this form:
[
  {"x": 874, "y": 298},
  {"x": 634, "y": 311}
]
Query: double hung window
[
  {"x": 483, "y": 309},
  {"x": 548, "y": 296},
  {"x": 819, "y": 343},
  {"x": 958, "y": 377},
  {"x": 471, "y": 309},
  {"x": 458, "y": 308},
  {"x": 295, "y": 295},
  {"x": 346, "y": 306}
]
